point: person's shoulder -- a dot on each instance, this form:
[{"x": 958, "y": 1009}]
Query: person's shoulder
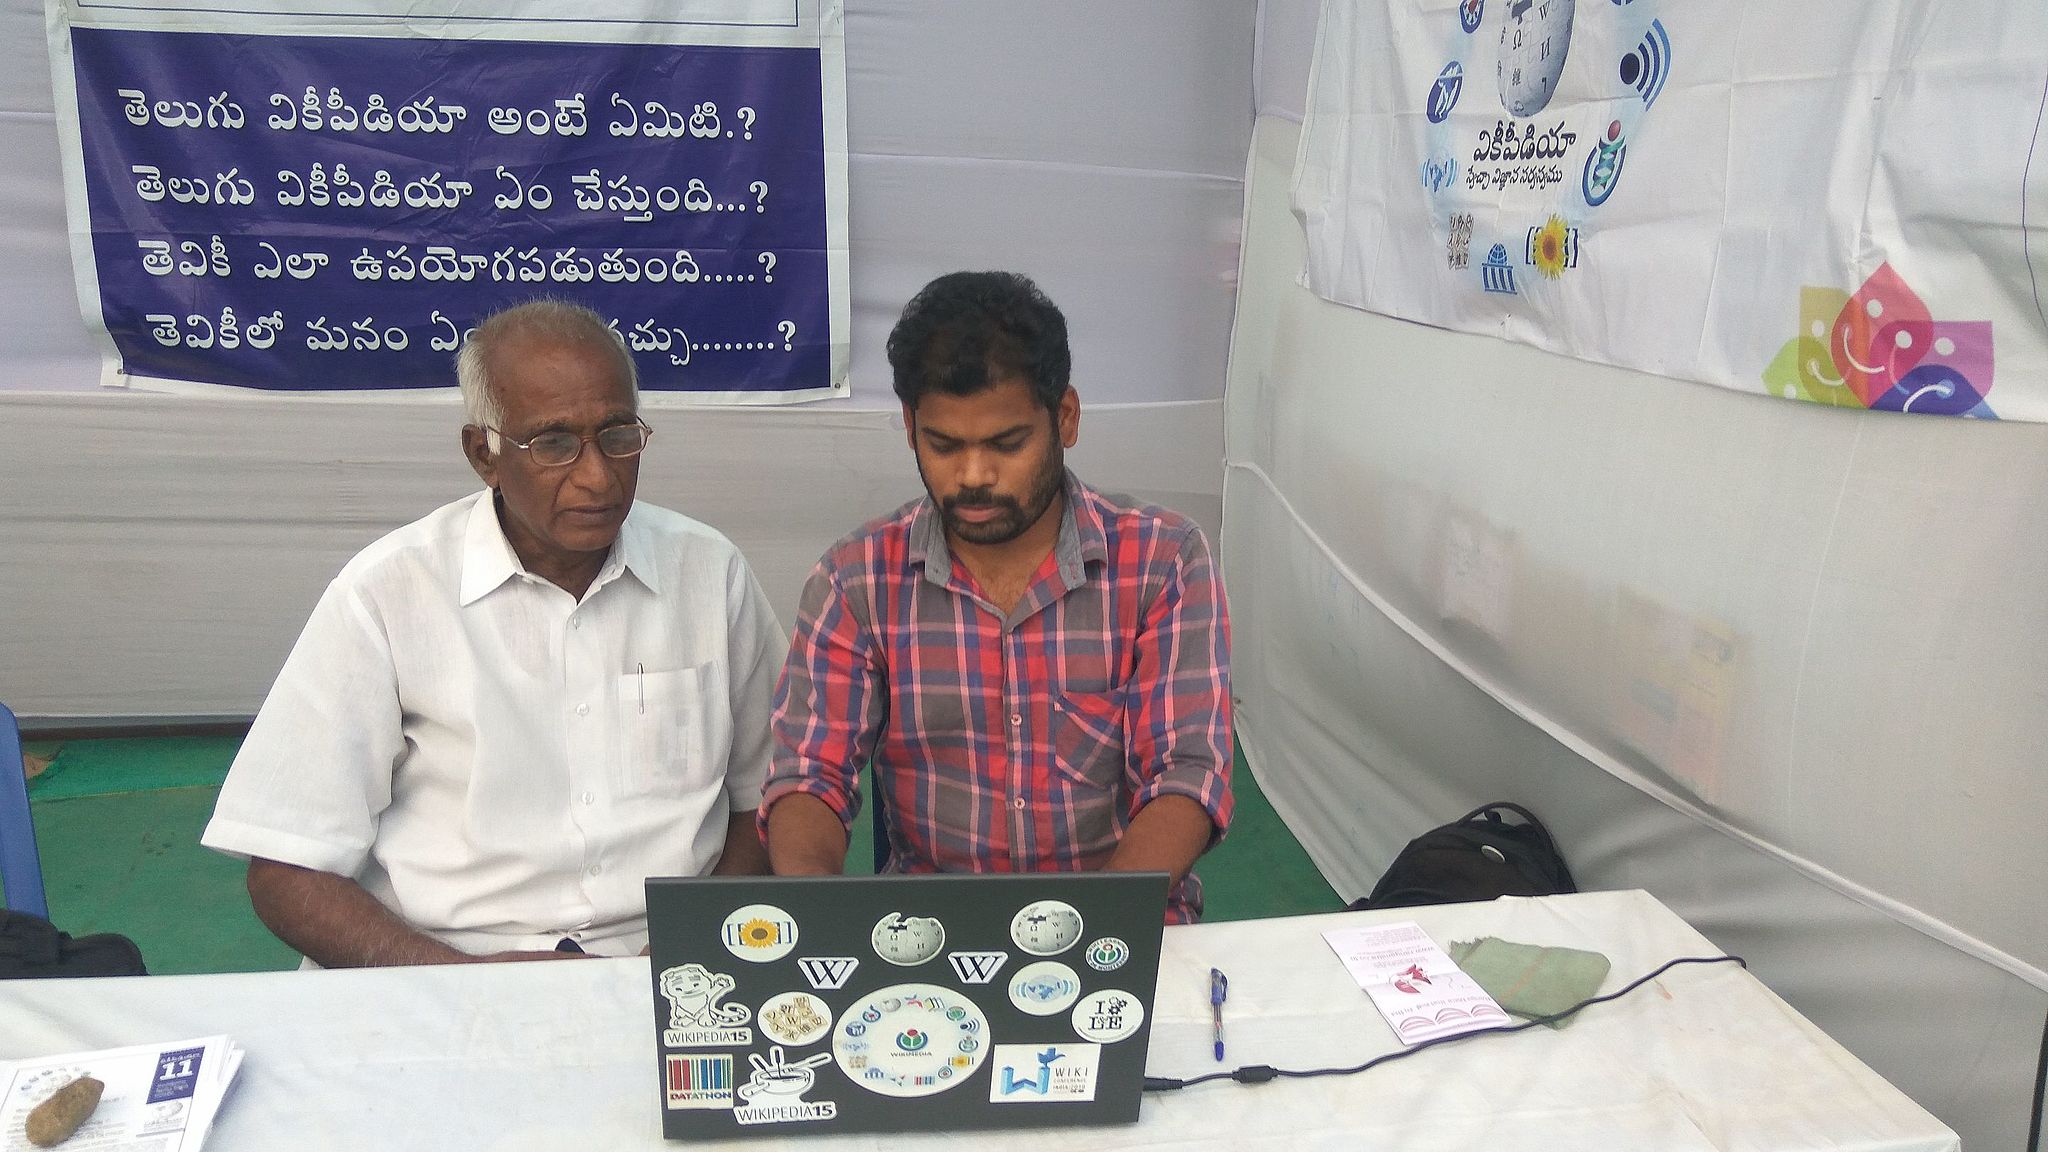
[
  {"x": 1121, "y": 515},
  {"x": 670, "y": 529},
  {"x": 883, "y": 542},
  {"x": 684, "y": 553}
]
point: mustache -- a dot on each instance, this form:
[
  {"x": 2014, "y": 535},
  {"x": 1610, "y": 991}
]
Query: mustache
[{"x": 979, "y": 498}]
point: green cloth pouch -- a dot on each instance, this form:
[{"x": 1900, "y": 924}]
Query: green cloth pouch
[{"x": 1529, "y": 980}]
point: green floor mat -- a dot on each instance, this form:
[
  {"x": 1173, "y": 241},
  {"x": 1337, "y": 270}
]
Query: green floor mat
[
  {"x": 131, "y": 863},
  {"x": 1260, "y": 869}
]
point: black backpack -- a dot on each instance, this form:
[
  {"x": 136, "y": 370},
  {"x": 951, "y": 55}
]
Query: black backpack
[
  {"x": 31, "y": 947},
  {"x": 1478, "y": 857}
]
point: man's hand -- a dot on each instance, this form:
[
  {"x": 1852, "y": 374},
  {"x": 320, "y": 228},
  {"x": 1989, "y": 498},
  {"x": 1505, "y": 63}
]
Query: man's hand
[
  {"x": 335, "y": 922},
  {"x": 805, "y": 838},
  {"x": 1167, "y": 835}
]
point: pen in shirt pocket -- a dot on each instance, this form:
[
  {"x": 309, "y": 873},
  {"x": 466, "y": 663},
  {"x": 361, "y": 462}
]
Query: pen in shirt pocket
[{"x": 640, "y": 681}]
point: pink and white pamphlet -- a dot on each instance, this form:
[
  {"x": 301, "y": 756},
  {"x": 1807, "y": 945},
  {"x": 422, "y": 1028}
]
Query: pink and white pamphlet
[{"x": 1422, "y": 994}]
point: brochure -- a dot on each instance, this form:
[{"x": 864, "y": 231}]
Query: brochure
[
  {"x": 158, "y": 1097},
  {"x": 1422, "y": 994}
]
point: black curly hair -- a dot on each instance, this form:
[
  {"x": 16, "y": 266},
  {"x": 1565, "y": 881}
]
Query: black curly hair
[{"x": 967, "y": 331}]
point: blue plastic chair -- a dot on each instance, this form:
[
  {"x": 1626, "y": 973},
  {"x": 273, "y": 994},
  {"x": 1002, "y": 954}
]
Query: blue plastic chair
[{"x": 21, "y": 870}]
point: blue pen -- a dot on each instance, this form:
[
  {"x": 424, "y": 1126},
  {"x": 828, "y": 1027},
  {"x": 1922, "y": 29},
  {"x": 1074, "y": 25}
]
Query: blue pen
[{"x": 1219, "y": 990}]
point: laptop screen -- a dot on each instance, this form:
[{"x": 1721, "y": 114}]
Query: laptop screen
[{"x": 787, "y": 1005}]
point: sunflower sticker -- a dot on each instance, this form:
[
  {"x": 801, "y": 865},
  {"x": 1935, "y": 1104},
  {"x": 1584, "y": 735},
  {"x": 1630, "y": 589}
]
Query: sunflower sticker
[
  {"x": 1552, "y": 248},
  {"x": 760, "y": 933}
]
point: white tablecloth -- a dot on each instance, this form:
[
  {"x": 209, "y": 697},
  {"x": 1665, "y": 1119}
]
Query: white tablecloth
[{"x": 560, "y": 1056}]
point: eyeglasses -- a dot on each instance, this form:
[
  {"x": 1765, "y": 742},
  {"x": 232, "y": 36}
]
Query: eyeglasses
[{"x": 555, "y": 449}]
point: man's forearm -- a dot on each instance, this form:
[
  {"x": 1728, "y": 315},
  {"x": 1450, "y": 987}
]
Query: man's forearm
[
  {"x": 744, "y": 855},
  {"x": 1167, "y": 835},
  {"x": 334, "y": 922},
  {"x": 805, "y": 837}
]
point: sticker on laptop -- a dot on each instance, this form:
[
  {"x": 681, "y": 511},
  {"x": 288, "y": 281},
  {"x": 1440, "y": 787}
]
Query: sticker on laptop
[
  {"x": 696, "y": 1019},
  {"x": 699, "y": 1082},
  {"x": 907, "y": 941},
  {"x": 910, "y": 1040},
  {"x": 827, "y": 973},
  {"x": 1108, "y": 954},
  {"x": 774, "y": 1094},
  {"x": 794, "y": 1018},
  {"x": 1046, "y": 988},
  {"x": 760, "y": 933},
  {"x": 1108, "y": 1016},
  {"x": 1046, "y": 927},
  {"x": 977, "y": 967},
  {"x": 1036, "y": 1073}
]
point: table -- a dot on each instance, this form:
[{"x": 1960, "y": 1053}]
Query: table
[{"x": 560, "y": 1055}]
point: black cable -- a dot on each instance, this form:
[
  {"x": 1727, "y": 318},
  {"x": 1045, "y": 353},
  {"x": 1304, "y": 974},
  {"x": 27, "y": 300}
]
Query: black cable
[
  {"x": 2040, "y": 1092},
  {"x": 1260, "y": 1073}
]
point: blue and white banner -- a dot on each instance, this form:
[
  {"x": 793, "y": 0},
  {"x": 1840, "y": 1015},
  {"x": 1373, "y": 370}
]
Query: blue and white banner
[
  {"x": 1835, "y": 201},
  {"x": 300, "y": 201}
]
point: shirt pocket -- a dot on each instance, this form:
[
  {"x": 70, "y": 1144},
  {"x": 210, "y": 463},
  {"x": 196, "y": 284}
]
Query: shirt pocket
[
  {"x": 673, "y": 730},
  {"x": 1088, "y": 737}
]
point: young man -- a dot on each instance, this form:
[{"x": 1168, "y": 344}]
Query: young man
[
  {"x": 503, "y": 717},
  {"x": 1038, "y": 673}
]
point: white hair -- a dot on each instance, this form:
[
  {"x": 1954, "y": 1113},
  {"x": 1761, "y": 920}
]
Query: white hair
[{"x": 556, "y": 321}]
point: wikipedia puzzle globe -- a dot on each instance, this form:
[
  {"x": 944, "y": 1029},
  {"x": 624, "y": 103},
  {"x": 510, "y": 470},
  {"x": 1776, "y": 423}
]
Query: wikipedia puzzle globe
[{"x": 1533, "y": 41}]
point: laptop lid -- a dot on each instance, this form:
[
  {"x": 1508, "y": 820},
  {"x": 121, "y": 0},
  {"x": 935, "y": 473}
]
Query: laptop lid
[{"x": 788, "y": 1005}]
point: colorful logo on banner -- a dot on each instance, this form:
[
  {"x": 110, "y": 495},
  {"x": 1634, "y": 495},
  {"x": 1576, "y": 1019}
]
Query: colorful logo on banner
[
  {"x": 1881, "y": 348},
  {"x": 1553, "y": 247},
  {"x": 1532, "y": 166},
  {"x": 1497, "y": 274},
  {"x": 1443, "y": 95}
]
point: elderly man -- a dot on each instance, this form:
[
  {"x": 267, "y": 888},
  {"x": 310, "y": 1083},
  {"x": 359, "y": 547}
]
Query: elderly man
[
  {"x": 503, "y": 717},
  {"x": 1038, "y": 672}
]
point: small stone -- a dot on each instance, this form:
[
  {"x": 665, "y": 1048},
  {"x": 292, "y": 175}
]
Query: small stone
[{"x": 54, "y": 1120}]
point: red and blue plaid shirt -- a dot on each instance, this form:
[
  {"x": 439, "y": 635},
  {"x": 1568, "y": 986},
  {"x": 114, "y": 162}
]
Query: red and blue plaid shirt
[{"x": 1018, "y": 743}]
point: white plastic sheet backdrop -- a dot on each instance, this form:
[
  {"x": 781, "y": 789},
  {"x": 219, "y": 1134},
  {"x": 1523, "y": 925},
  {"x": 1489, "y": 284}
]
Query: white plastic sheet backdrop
[
  {"x": 158, "y": 554},
  {"x": 1696, "y": 189},
  {"x": 1782, "y": 665}
]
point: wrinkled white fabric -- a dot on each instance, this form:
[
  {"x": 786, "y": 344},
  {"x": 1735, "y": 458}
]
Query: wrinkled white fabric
[{"x": 542, "y": 1056}]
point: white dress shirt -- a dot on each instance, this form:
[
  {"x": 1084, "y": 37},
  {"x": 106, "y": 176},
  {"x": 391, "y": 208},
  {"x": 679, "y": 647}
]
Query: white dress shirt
[{"x": 498, "y": 763}]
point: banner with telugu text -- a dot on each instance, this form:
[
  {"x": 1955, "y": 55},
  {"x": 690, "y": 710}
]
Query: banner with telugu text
[
  {"x": 1837, "y": 201},
  {"x": 291, "y": 200}
]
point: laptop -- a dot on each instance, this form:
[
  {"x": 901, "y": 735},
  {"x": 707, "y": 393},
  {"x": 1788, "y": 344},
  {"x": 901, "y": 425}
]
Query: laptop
[{"x": 794, "y": 1005}]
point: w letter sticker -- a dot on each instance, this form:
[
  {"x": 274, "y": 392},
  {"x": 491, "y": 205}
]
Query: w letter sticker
[
  {"x": 976, "y": 967},
  {"x": 827, "y": 972}
]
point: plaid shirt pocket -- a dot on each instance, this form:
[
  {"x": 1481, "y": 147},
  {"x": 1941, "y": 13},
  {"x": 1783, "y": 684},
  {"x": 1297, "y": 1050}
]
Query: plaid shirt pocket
[{"x": 1088, "y": 738}]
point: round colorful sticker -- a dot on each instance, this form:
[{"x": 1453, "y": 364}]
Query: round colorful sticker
[
  {"x": 907, "y": 940},
  {"x": 760, "y": 933},
  {"x": 1108, "y": 1016},
  {"x": 1108, "y": 954},
  {"x": 910, "y": 1040},
  {"x": 1046, "y": 988},
  {"x": 1046, "y": 927},
  {"x": 795, "y": 1018}
]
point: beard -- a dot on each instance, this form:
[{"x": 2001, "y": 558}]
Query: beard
[{"x": 1014, "y": 516}]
